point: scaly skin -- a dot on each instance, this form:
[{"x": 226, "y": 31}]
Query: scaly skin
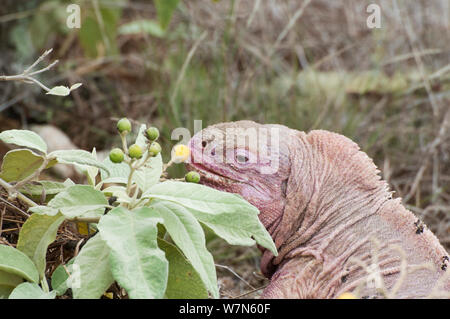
[{"x": 332, "y": 218}]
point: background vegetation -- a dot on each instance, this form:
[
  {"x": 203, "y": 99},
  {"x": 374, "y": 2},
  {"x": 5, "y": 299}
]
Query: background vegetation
[{"x": 306, "y": 64}]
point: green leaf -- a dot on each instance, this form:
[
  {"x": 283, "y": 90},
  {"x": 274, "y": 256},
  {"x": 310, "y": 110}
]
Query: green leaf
[
  {"x": 99, "y": 37},
  {"x": 228, "y": 215},
  {"x": 165, "y": 9},
  {"x": 36, "y": 234},
  {"x": 31, "y": 291},
  {"x": 91, "y": 270},
  {"x": 75, "y": 201},
  {"x": 75, "y": 86},
  {"x": 149, "y": 174},
  {"x": 5, "y": 291},
  {"x": 188, "y": 235},
  {"x": 39, "y": 187},
  {"x": 19, "y": 164},
  {"x": 142, "y": 26},
  {"x": 8, "y": 279},
  {"x": 77, "y": 157},
  {"x": 141, "y": 140},
  {"x": 118, "y": 191},
  {"x": 90, "y": 171},
  {"x": 117, "y": 172},
  {"x": 59, "y": 90},
  {"x": 137, "y": 264},
  {"x": 60, "y": 276},
  {"x": 15, "y": 262},
  {"x": 184, "y": 281},
  {"x": 63, "y": 90},
  {"x": 24, "y": 138}
]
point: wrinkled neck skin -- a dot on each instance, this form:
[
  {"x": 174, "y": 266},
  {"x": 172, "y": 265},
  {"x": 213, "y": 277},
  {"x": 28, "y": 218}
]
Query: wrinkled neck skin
[{"x": 340, "y": 223}]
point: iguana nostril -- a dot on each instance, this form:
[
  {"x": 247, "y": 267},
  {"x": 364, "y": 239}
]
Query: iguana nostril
[
  {"x": 213, "y": 151},
  {"x": 204, "y": 144}
]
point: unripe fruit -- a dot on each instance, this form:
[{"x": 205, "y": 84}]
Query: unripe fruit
[
  {"x": 116, "y": 155},
  {"x": 123, "y": 125},
  {"x": 192, "y": 177},
  {"x": 135, "y": 151},
  {"x": 154, "y": 149},
  {"x": 347, "y": 295},
  {"x": 152, "y": 133}
]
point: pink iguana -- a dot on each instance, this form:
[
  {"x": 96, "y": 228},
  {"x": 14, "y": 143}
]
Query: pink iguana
[{"x": 332, "y": 218}]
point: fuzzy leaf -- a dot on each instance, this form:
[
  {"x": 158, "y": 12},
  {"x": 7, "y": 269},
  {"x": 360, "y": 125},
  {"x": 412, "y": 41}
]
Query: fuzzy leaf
[
  {"x": 188, "y": 235},
  {"x": 60, "y": 276},
  {"x": 184, "y": 281},
  {"x": 36, "y": 234},
  {"x": 228, "y": 215},
  {"x": 142, "y": 26},
  {"x": 137, "y": 264},
  {"x": 19, "y": 164},
  {"x": 77, "y": 157},
  {"x": 15, "y": 262},
  {"x": 48, "y": 187},
  {"x": 24, "y": 138},
  {"x": 91, "y": 270},
  {"x": 60, "y": 90},
  {"x": 75, "y": 201},
  {"x": 31, "y": 291}
]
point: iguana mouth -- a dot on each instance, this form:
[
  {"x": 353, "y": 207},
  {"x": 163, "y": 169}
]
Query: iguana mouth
[{"x": 209, "y": 177}]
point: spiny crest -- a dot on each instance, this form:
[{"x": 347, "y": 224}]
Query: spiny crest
[{"x": 346, "y": 158}]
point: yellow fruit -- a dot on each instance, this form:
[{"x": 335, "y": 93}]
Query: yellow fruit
[
  {"x": 180, "y": 153},
  {"x": 347, "y": 295}
]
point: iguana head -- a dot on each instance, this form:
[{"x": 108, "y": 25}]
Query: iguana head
[{"x": 246, "y": 158}]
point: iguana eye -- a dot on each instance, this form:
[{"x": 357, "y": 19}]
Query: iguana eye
[{"x": 241, "y": 159}]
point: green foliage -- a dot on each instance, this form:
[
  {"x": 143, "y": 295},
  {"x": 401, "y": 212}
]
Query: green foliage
[
  {"x": 137, "y": 263},
  {"x": 142, "y": 26},
  {"x": 60, "y": 277},
  {"x": 29, "y": 290},
  {"x": 75, "y": 201},
  {"x": 183, "y": 282},
  {"x": 98, "y": 31},
  {"x": 19, "y": 164},
  {"x": 36, "y": 234},
  {"x": 228, "y": 215},
  {"x": 13, "y": 261},
  {"x": 92, "y": 275},
  {"x": 128, "y": 247},
  {"x": 24, "y": 138},
  {"x": 165, "y": 9}
]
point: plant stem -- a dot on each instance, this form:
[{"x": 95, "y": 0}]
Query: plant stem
[
  {"x": 44, "y": 285},
  {"x": 26, "y": 76},
  {"x": 130, "y": 178},
  {"x": 123, "y": 137},
  {"x": 93, "y": 220},
  {"x": 16, "y": 194}
]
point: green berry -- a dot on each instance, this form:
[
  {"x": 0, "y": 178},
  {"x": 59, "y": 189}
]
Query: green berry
[
  {"x": 116, "y": 155},
  {"x": 154, "y": 149},
  {"x": 135, "y": 151},
  {"x": 152, "y": 133},
  {"x": 192, "y": 177},
  {"x": 123, "y": 125}
]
